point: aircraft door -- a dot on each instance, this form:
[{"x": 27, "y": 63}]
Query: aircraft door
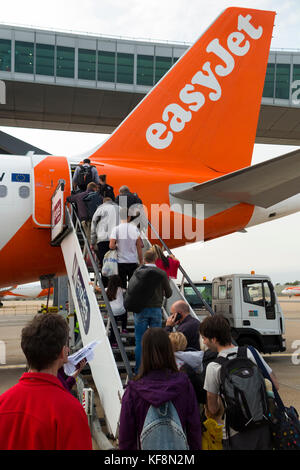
[{"x": 47, "y": 171}]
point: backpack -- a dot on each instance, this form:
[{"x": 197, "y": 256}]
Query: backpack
[
  {"x": 85, "y": 175},
  {"x": 243, "y": 392},
  {"x": 162, "y": 429},
  {"x": 141, "y": 287},
  {"x": 198, "y": 378}
]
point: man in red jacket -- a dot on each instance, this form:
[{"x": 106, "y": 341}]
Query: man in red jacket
[{"x": 38, "y": 413}]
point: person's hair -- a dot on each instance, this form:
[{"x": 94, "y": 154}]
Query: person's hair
[
  {"x": 86, "y": 160},
  {"x": 150, "y": 256},
  {"x": 124, "y": 189},
  {"x": 216, "y": 326},
  {"x": 178, "y": 341},
  {"x": 43, "y": 338},
  {"x": 159, "y": 253},
  {"x": 114, "y": 282},
  {"x": 157, "y": 352},
  {"x": 103, "y": 178},
  {"x": 92, "y": 186}
]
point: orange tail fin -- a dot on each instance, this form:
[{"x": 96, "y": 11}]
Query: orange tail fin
[{"x": 204, "y": 111}]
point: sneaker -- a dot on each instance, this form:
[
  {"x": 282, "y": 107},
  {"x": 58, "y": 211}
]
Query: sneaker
[{"x": 125, "y": 331}]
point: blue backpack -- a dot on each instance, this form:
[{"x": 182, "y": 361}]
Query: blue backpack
[{"x": 162, "y": 429}]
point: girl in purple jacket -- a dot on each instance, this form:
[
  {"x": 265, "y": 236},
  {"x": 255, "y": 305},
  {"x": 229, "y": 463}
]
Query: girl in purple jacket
[{"x": 158, "y": 381}]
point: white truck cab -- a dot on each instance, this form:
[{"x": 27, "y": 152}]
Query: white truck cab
[{"x": 250, "y": 304}]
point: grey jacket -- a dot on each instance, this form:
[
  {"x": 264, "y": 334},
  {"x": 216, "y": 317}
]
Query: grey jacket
[{"x": 104, "y": 220}]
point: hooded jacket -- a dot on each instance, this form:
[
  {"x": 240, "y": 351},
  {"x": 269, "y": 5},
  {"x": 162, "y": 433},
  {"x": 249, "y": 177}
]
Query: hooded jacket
[
  {"x": 192, "y": 358},
  {"x": 105, "y": 218},
  {"x": 157, "y": 388}
]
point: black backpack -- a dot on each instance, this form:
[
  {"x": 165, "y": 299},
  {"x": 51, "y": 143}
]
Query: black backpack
[
  {"x": 141, "y": 287},
  {"x": 85, "y": 176},
  {"x": 243, "y": 392}
]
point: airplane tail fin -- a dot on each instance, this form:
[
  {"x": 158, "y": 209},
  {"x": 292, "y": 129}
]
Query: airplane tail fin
[{"x": 204, "y": 111}]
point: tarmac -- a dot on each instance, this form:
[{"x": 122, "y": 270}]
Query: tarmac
[{"x": 285, "y": 365}]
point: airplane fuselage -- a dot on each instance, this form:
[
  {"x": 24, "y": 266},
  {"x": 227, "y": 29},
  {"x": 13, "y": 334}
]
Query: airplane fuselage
[{"x": 28, "y": 183}]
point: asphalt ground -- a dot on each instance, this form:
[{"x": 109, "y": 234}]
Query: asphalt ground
[{"x": 285, "y": 365}]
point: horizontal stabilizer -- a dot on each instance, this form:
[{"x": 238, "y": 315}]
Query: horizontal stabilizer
[{"x": 263, "y": 185}]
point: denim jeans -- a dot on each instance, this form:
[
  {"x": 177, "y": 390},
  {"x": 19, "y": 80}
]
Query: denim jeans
[{"x": 148, "y": 317}]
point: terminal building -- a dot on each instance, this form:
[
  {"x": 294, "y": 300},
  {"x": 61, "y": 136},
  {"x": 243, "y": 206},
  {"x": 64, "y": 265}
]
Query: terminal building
[{"x": 79, "y": 82}]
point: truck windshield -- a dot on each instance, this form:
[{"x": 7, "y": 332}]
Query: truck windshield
[{"x": 205, "y": 289}]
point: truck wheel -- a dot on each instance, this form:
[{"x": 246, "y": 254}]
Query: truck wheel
[{"x": 248, "y": 341}]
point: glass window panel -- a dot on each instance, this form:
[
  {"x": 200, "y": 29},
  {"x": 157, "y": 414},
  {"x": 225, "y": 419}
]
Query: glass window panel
[
  {"x": 125, "y": 67},
  {"x": 222, "y": 292},
  {"x": 175, "y": 59},
  {"x": 269, "y": 81},
  {"x": 87, "y": 64},
  {"x": 44, "y": 58},
  {"x": 5, "y": 55},
  {"x": 24, "y": 57},
  {"x": 253, "y": 292},
  {"x": 282, "y": 89},
  {"x": 296, "y": 72},
  {"x": 205, "y": 291},
  {"x": 162, "y": 65},
  {"x": 145, "y": 70},
  {"x": 65, "y": 62},
  {"x": 106, "y": 66}
]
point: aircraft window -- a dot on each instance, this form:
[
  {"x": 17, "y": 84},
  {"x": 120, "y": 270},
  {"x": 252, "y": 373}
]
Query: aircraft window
[
  {"x": 3, "y": 190},
  {"x": 24, "y": 192}
]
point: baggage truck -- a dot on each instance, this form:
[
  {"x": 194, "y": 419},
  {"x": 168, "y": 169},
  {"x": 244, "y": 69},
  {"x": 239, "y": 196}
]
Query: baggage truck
[{"x": 250, "y": 304}]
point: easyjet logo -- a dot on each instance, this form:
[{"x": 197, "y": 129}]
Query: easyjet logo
[{"x": 160, "y": 134}]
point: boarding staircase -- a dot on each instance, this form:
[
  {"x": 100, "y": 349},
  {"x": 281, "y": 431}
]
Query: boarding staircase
[{"x": 110, "y": 368}]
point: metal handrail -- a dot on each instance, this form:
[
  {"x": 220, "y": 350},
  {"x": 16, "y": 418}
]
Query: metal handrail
[
  {"x": 100, "y": 283},
  {"x": 184, "y": 273}
]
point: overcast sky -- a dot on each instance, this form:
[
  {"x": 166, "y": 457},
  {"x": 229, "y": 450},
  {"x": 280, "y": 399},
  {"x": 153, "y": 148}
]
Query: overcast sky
[{"x": 272, "y": 248}]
